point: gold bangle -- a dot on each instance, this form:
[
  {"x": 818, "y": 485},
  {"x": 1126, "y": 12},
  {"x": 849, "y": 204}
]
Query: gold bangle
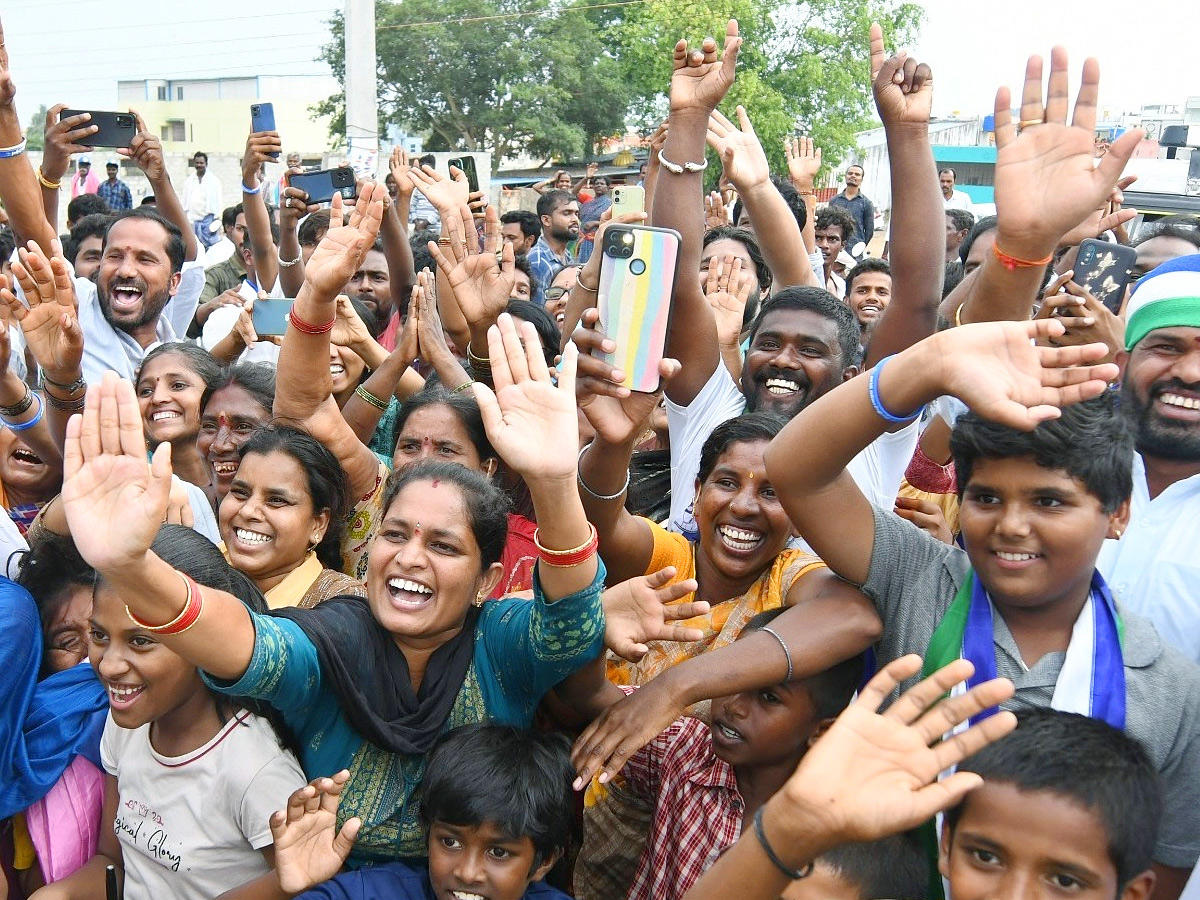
[
  {"x": 546, "y": 551},
  {"x": 583, "y": 287},
  {"x": 478, "y": 363},
  {"x": 465, "y": 386},
  {"x": 47, "y": 183},
  {"x": 365, "y": 395}
]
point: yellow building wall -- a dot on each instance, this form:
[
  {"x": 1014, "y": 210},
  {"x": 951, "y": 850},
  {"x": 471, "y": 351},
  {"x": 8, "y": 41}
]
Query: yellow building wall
[{"x": 221, "y": 126}]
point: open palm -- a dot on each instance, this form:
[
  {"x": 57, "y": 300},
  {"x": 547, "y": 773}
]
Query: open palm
[
  {"x": 51, "y": 320},
  {"x": 701, "y": 76},
  {"x": 309, "y": 849},
  {"x": 742, "y": 156},
  {"x": 482, "y": 285},
  {"x": 344, "y": 246}
]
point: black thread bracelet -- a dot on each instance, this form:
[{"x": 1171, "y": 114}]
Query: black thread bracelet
[{"x": 793, "y": 874}]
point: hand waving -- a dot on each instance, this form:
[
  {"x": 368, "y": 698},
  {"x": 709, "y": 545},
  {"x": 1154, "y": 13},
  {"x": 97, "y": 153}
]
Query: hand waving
[
  {"x": 1046, "y": 182},
  {"x": 727, "y": 290},
  {"x": 344, "y": 246},
  {"x": 401, "y": 171},
  {"x": 702, "y": 76},
  {"x": 309, "y": 848},
  {"x": 903, "y": 88},
  {"x": 481, "y": 284},
  {"x": 51, "y": 321},
  {"x": 742, "y": 156},
  {"x": 804, "y": 162},
  {"x": 643, "y": 609},
  {"x": 113, "y": 501}
]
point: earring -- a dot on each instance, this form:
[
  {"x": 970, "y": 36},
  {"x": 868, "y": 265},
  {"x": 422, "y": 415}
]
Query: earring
[
  {"x": 479, "y": 598},
  {"x": 1118, "y": 534}
]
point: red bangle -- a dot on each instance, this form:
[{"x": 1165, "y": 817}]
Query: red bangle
[
  {"x": 566, "y": 559},
  {"x": 1015, "y": 262},
  {"x": 192, "y": 608},
  {"x": 305, "y": 328}
]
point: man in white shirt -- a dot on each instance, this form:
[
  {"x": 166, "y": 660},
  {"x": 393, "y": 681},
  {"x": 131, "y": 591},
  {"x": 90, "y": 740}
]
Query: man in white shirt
[
  {"x": 202, "y": 200},
  {"x": 1154, "y": 567},
  {"x": 954, "y": 199}
]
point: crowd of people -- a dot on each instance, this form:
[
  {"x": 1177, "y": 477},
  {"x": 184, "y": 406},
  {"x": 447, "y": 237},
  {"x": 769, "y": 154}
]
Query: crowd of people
[{"x": 887, "y": 592}]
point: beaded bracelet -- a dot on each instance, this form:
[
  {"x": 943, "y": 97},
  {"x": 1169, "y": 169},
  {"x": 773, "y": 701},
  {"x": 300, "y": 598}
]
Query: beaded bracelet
[
  {"x": 588, "y": 490},
  {"x": 761, "y": 834},
  {"x": 25, "y": 426},
  {"x": 306, "y": 328},
  {"x": 363, "y": 394},
  {"x": 187, "y": 617},
  {"x": 877, "y": 401},
  {"x": 567, "y": 559}
]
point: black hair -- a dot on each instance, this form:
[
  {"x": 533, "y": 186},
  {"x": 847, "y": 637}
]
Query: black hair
[
  {"x": 174, "y": 235},
  {"x": 86, "y": 205},
  {"x": 1183, "y": 227},
  {"x": 199, "y": 361},
  {"x": 328, "y": 486},
  {"x": 258, "y": 379},
  {"x": 744, "y": 429},
  {"x": 547, "y": 330},
  {"x": 308, "y": 233},
  {"x": 1088, "y": 763},
  {"x": 464, "y": 407},
  {"x": 836, "y": 217},
  {"x": 419, "y": 242},
  {"x": 552, "y": 200},
  {"x": 229, "y": 216},
  {"x": 761, "y": 270},
  {"x": 428, "y": 160},
  {"x": 521, "y": 264},
  {"x": 369, "y": 317},
  {"x": 90, "y": 226},
  {"x": 948, "y": 169},
  {"x": 791, "y": 197},
  {"x": 423, "y": 260},
  {"x": 531, "y": 225},
  {"x": 487, "y": 505},
  {"x": 817, "y": 300},
  {"x": 981, "y": 226},
  {"x": 148, "y": 200},
  {"x": 830, "y": 690},
  {"x": 8, "y": 243},
  {"x": 48, "y": 570},
  {"x": 894, "y": 866},
  {"x": 1091, "y": 441},
  {"x": 963, "y": 219},
  {"x": 516, "y": 779},
  {"x": 867, "y": 264},
  {"x": 200, "y": 154}
]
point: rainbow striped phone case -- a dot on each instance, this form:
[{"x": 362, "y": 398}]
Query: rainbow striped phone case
[{"x": 637, "y": 281}]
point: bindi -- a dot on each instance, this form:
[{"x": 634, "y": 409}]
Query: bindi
[{"x": 436, "y": 482}]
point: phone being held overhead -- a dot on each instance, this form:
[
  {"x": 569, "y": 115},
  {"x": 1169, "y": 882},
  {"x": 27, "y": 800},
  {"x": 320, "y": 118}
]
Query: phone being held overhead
[
  {"x": 321, "y": 186},
  {"x": 262, "y": 118},
  {"x": 117, "y": 129}
]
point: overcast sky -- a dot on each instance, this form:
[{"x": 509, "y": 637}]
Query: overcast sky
[{"x": 74, "y": 51}]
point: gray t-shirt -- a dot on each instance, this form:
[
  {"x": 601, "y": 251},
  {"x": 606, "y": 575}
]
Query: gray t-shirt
[{"x": 912, "y": 582}]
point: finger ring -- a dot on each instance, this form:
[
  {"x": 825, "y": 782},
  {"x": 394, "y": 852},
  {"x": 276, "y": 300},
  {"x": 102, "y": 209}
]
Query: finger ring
[
  {"x": 443, "y": 242},
  {"x": 1024, "y": 123}
]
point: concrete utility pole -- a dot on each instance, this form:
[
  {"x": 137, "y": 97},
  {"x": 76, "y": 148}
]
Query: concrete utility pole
[{"x": 362, "y": 118}]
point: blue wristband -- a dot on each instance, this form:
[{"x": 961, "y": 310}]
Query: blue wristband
[
  {"x": 246, "y": 190},
  {"x": 877, "y": 403},
  {"x": 9, "y": 152},
  {"x": 25, "y": 426}
]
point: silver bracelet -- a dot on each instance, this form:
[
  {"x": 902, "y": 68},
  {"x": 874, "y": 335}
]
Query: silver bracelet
[
  {"x": 771, "y": 631},
  {"x": 288, "y": 263},
  {"x": 676, "y": 169},
  {"x": 583, "y": 484}
]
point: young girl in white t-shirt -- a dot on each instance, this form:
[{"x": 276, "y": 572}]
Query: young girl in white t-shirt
[{"x": 192, "y": 778}]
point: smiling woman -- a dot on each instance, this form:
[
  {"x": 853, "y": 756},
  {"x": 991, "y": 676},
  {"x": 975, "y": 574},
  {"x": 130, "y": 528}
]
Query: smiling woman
[{"x": 170, "y": 385}]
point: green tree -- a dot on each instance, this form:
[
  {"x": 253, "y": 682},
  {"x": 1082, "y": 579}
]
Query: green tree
[
  {"x": 519, "y": 76},
  {"x": 35, "y": 134}
]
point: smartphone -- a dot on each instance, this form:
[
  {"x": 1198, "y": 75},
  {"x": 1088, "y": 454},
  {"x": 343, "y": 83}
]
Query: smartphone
[
  {"x": 628, "y": 198},
  {"x": 262, "y": 118},
  {"x": 270, "y": 316},
  {"x": 637, "y": 279},
  {"x": 116, "y": 128},
  {"x": 467, "y": 165},
  {"x": 321, "y": 186},
  {"x": 1103, "y": 270}
]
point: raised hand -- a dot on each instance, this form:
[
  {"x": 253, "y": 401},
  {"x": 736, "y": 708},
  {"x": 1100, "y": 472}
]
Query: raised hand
[
  {"x": 349, "y": 330},
  {"x": 8, "y": 90},
  {"x": 995, "y": 370},
  {"x": 62, "y": 139},
  {"x": 51, "y": 320},
  {"x": 803, "y": 160},
  {"x": 338, "y": 255},
  {"x": 401, "y": 171},
  {"x": 481, "y": 284},
  {"x": 146, "y": 152},
  {"x": 1046, "y": 180},
  {"x": 261, "y": 147},
  {"x": 727, "y": 289},
  {"x": 715, "y": 213},
  {"x": 294, "y": 205},
  {"x": 446, "y": 194},
  {"x": 903, "y": 88},
  {"x": 742, "y": 156},
  {"x": 113, "y": 501},
  {"x": 702, "y": 76},
  {"x": 530, "y": 421},
  {"x": 642, "y": 609},
  {"x": 309, "y": 848}
]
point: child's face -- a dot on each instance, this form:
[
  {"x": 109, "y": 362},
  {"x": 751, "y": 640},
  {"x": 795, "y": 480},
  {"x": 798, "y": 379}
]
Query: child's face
[
  {"x": 772, "y": 726},
  {"x": 1032, "y": 533},
  {"x": 1037, "y": 845},
  {"x": 467, "y": 862},
  {"x": 823, "y": 884}
]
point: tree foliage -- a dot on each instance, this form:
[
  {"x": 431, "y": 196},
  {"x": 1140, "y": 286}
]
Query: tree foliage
[
  {"x": 35, "y": 134},
  {"x": 550, "y": 78}
]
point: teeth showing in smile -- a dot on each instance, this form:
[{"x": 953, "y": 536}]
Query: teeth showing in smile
[
  {"x": 737, "y": 539},
  {"x": 463, "y": 895},
  {"x": 403, "y": 584},
  {"x": 1181, "y": 402},
  {"x": 251, "y": 537},
  {"x": 26, "y": 456},
  {"x": 165, "y": 414},
  {"x": 337, "y": 369},
  {"x": 781, "y": 386},
  {"x": 225, "y": 468},
  {"x": 121, "y": 694},
  {"x": 728, "y": 733},
  {"x": 1016, "y": 557}
]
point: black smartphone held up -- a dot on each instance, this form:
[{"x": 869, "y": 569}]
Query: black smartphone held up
[
  {"x": 1103, "y": 269},
  {"x": 262, "y": 118},
  {"x": 321, "y": 186},
  {"x": 117, "y": 129},
  {"x": 466, "y": 164},
  {"x": 270, "y": 316}
]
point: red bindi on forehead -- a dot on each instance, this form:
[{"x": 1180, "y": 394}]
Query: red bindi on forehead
[{"x": 436, "y": 482}]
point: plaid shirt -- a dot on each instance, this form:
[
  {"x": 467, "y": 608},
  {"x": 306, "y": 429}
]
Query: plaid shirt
[
  {"x": 698, "y": 814},
  {"x": 545, "y": 263},
  {"x": 116, "y": 195}
]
